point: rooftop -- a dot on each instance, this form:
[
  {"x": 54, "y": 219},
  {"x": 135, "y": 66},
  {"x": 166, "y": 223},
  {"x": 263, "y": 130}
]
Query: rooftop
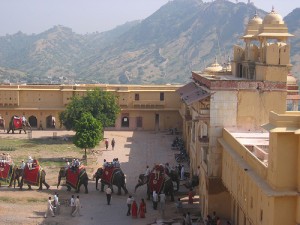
[{"x": 256, "y": 142}]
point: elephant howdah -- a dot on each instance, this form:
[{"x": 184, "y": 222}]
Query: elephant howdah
[
  {"x": 73, "y": 176},
  {"x": 111, "y": 176},
  {"x": 6, "y": 170},
  {"x": 163, "y": 183},
  {"x": 156, "y": 184},
  {"x": 32, "y": 176}
]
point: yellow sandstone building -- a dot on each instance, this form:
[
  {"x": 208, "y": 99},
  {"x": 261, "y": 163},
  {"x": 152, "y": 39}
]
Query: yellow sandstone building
[
  {"x": 249, "y": 158},
  {"x": 242, "y": 172},
  {"x": 147, "y": 107}
]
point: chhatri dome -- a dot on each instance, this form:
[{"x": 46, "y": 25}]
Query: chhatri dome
[
  {"x": 253, "y": 27},
  {"x": 273, "y": 18},
  {"x": 256, "y": 20},
  {"x": 214, "y": 67}
]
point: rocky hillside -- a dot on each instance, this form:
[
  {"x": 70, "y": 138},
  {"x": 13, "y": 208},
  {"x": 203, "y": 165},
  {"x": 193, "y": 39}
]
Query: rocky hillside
[{"x": 181, "y": 36}]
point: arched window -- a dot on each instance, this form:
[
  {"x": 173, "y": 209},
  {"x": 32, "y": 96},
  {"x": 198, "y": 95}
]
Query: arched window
[
  {"x": 32, "y": 121},
  {"x": 125, "y": 121}
]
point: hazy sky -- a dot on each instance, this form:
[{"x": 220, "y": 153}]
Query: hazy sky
[{"x": 87, "y": 16}]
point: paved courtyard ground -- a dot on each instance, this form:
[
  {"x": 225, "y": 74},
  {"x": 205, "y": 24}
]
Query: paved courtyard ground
[{"x": 135, "y": 150}]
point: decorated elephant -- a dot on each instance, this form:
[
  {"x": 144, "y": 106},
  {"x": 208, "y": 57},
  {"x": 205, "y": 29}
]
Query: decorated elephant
[
  {"x": 111, "y": 176},
  {"x": 163, "y": 183},
  {"x": 75, "y": 177},
  {"x": 34, "y": 175},
  {"x": 16, "y": 123}
]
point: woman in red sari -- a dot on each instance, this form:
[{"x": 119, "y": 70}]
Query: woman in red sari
[
  {"x": 142, "y": 209},
  {"x": 134, "y": 209}
]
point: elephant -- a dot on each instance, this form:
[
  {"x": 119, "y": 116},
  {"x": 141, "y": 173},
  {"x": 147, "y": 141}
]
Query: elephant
[
  {"x": 117, "y": 178},
  {"x": 174, "y": 177},
  {"x": 16, "y": 124},
  {"x": 82, "y": 178},
  {"x": 17, "y": 173},
  {"x": 166, "y": 185},
  {"x": 41, "y": 178}
]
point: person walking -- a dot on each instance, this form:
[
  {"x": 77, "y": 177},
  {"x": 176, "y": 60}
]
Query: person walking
[
  {"x": 134, "y": 209},
  {"x": 113, "y": 142},
  {"x": 108, "y": 192},
  {"x": 182, "y": 173},
  {"x": 49, "y": 208},
  {"x": 188, "y": 220},
  {"x": 77, "y": 207},
  {"x": 128, "y": 202},
  {"x": 56, "y": 204},
  {"x": 72, "y": 204},
  {"x": 179, "y": 169},
  {"x": 179, "y": 205},
  {"x": 106, "y": 143},
  {"x": 155, "y": 200},
  {"x": 142, "y": 209},
  {"x": 162, "y": 202}
]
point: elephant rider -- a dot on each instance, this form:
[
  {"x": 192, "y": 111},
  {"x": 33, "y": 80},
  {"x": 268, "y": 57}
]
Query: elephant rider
[
  {"x": 29, "y": 162},
  {"x": 105, "y": 164},
  {"x": 35, "y": 163},
  {"x": 116, "y": 162},
  {"x": 77, "y": 163},
  {"x": 67, "y": 166},
  {"x": 157, "y": 172},
  {"x": 24, "y": 120},
  {"x": 22, "y": 166},
  {"x": 147, "y": 172}
]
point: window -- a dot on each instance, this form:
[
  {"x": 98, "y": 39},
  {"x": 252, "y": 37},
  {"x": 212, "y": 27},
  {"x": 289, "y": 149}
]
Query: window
[
  {"x": 204, "y": 154},
  {"x": 137, "y": 97},
  {"x": 162, "y": 96},
  {"x": 261, "y": 215},
  {"x": 125, "y": 122}
]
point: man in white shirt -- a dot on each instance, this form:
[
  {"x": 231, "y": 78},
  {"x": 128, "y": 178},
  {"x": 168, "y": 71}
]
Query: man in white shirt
[
  {"x": 22, "y": 166},
  {"x": 128, "y": 202},
  {"x": 147, "y": 172},
  {"x": 72, "y": 204},
  {"x": 155, "y": 200},
  {"x": 49, "y": 208},
  {"x": 56, "y": 204},
  {"x": 182, "y": 173},
  {"x": 108, "y": 192},
  {"x": 29, "y": 162},
  {"x": 77, "y": 207}
]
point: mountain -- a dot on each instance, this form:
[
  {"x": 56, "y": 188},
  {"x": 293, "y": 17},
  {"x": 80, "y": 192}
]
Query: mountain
[
  {"x": 181, "y": 36},
  {"x": 293, "y": 22}
]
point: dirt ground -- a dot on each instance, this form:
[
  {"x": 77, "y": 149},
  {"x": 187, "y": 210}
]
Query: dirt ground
[{"x": 135, "y": 150}]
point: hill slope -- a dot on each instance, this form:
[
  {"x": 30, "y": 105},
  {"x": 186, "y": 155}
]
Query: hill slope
[{"x": 181, "y": 36}]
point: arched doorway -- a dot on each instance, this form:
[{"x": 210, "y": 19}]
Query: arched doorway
[
  {"x": 50, "y": 121},
  {"x": 33, "y": 121},
  {"x": 125, "y": 121}
]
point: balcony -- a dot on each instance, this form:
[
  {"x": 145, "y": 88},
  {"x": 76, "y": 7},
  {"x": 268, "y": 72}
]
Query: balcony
[
  {"x": 203, "y": 115},
  {"x": 148, "y": 104}
]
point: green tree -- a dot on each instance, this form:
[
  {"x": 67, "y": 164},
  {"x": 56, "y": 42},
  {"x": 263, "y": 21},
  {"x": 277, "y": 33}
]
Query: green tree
[
  {"x": 89, "y": 132},
  {"x": 102, "y": 105}
]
